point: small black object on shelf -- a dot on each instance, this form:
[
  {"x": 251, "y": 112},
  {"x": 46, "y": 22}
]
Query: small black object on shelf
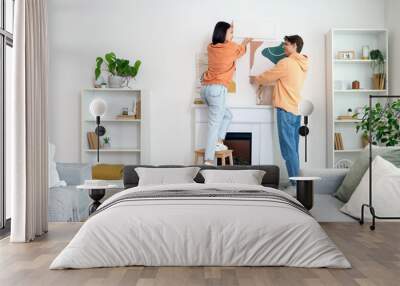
[{"x": 370, "y": 203}]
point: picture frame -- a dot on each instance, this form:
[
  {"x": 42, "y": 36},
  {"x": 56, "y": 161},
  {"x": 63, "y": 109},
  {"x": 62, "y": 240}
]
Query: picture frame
[{"x": 346, "y": 55}]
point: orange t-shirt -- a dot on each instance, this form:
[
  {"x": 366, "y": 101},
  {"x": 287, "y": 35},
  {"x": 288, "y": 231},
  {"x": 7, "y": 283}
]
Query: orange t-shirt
[{"x": 221, "y": 62}]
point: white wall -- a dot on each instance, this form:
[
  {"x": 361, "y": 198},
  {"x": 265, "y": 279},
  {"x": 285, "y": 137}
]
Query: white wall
[
  {"x": 166, "y": 35},
  {"x": 392, "y": 22}
]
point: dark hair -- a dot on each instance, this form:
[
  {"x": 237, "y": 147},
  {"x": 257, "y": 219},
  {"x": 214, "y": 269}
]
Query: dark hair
[
  {"x": 219, "y": 34},
  {"x": 295, "y": 39}
]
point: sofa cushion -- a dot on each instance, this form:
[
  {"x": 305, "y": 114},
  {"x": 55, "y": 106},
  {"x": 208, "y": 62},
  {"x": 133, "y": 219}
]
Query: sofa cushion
[
  {"x": 107, "y": 171},
  {"x": 385, "y": 189},
  {"x": 360, "y": 166},
  {"x": 74, "y": 173},
  {"x": 331, "y": 179}
]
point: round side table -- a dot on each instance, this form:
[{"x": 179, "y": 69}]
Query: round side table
[
  {"x": 305, "y": 190},
  {"x": 96, "y": 193}
]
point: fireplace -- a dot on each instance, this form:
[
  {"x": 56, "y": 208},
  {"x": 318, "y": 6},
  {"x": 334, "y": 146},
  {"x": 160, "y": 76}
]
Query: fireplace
[
  {"x": 253, "y": 121},
  {"x": 240, "y": 143}
]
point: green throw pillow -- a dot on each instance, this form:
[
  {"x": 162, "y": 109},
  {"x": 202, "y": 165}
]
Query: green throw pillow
[{"x": 360, "y": 166}]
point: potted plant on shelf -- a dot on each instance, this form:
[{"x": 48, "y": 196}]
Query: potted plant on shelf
[
  {"x": 106, "y": 142},
  {"x": 378, "y": 69},
  {"x": 385, "y": 123},
  {"x": 120, "y": 71}
]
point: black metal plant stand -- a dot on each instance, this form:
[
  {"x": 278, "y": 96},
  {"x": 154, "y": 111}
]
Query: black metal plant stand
[{"x": 370, "y": 205}]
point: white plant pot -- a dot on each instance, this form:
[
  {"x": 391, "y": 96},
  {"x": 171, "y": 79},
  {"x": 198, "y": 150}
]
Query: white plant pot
[
  {"x": 106, "y": 145},
  {"x": 115, "y": 81}
]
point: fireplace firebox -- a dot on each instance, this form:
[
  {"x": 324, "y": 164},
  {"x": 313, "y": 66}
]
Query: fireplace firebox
[{"x": 240, "y": 143}]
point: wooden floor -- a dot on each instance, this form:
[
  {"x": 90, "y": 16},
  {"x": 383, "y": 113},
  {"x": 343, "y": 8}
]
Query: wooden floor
[{"x": 375, "y": 257}]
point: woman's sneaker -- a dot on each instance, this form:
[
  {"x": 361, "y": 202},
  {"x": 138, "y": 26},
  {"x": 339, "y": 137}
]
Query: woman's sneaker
[{"x": 220, "y": 147}]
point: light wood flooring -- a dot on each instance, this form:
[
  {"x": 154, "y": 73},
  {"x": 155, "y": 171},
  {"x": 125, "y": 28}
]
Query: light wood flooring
[{"x": 375, "y": 257}]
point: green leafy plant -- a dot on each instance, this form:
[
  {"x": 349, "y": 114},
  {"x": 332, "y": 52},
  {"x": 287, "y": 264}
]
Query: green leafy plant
[
  {"x": 378, "y": 68},
  {"x": 378, "y": 61},
  {"x": 116, "y": 66},
  {"x": 385, "y": 123},
  {"x": 107, "y": 140}
]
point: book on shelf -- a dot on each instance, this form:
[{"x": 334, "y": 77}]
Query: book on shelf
[
  {"x": 126, "y": 117},
  {"x": 138, "y": 109},
  {"x": 92, "y": 140},
  {"x": 345, "y": 117},
  {"x": 338, "y": 141}
]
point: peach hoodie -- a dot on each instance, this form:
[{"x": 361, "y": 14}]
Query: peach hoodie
[
  {"x": 289, "y": 75},
  {"x": 221, "y": 62}
]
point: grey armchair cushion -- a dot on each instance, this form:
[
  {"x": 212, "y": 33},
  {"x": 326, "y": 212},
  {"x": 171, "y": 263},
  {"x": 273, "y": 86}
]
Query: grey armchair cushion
[
  {"x": 74, "y": 173},
  {"x": 360, "y": 166},
  {"x": 68, "y": 204},
  {"x": 330, "y": 181}
]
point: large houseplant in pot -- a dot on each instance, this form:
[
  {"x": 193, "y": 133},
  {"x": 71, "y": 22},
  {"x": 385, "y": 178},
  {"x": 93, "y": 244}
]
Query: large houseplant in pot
[
  {"x": 385, "y": 123},
  {"x": 120, "y": 72},
  {"x": 378, "y": 68}
]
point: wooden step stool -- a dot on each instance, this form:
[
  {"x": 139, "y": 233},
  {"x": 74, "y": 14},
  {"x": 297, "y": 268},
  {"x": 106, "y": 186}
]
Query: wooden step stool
[{"x": 199, "y": 154}]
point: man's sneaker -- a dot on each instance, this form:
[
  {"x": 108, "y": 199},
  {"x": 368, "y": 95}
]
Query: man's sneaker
[{"x": 220, "y": 147}]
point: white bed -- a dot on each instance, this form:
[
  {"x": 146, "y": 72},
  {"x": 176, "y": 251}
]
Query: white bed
[{"x": 206, "y": 230}]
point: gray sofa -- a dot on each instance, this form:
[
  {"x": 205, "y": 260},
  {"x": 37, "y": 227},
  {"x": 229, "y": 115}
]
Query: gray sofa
[
  {"x": 68, "y": 204},
  {"x": 326, "y": 206}
]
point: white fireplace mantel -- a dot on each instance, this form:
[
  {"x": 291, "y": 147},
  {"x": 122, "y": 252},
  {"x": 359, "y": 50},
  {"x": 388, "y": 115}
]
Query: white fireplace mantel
[{"x": 256, "y": 119}]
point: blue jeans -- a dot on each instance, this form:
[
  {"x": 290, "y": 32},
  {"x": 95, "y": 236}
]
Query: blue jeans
[
  {"x": 288, "y": 131},
  {"x": 219, "y": 116}
]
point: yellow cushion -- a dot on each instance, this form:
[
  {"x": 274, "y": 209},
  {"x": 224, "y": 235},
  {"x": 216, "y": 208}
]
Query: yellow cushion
[{"x": 107, "y": 172}]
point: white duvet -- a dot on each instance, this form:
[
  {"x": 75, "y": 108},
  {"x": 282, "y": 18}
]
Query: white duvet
[{"x": 193, "y": 231}]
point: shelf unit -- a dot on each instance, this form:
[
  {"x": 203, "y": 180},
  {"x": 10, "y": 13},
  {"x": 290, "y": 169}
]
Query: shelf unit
[
  {"x": 342, "y": 98},
  {"x": 380, "y": 91},
  {"x": 356, "y": 61},
  {"x": 129, "y": 137}
]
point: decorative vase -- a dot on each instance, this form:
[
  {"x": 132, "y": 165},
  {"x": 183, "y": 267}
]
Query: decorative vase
[
  {"x": 364, "y": 141},
  {"x": 115, "y": 81},
  {"x": 107, "y": 145},
  {"x": 365, "y": 53},
  {"x": 378, "y": 81},
  {"x": 355, "y": 84}
]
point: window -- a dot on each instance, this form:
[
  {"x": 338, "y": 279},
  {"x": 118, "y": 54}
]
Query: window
[{"x": 6, "y": 65}]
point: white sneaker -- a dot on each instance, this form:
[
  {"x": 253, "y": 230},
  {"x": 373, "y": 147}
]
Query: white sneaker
[{"x": 220, "y": 147}]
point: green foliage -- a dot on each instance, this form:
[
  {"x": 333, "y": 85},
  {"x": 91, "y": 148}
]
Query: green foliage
[
  {"x": 378, "y": 64},
  {"x": 106, "y": 140},
  {"x": 385, "y": 123},
  {"x": 116, "y": 66}
]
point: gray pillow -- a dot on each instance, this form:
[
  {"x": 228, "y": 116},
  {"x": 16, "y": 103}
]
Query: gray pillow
[{"x": 360, "y": 166}]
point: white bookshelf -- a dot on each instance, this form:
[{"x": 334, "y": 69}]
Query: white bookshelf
[
  {"x": 129, "y": 137},
  {"x": 343, "y": 98}
]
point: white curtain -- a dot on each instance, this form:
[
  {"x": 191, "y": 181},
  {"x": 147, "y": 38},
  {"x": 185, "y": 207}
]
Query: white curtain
[{"x": 29, "y": 142}]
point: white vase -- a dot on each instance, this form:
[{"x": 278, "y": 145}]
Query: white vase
[
  {"x": 365, "y": 53},
  {"x": 115, "y": 81}
]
